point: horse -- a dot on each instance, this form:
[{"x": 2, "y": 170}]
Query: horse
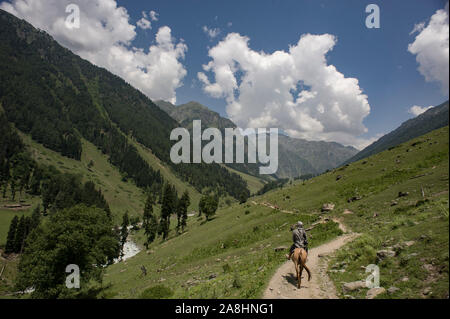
[{"x": 299, "y": 258}]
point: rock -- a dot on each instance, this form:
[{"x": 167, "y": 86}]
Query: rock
[
  {"x": 327, "y": 207},
  {"x": 385, "y": 253},
  {"x": 405, "y": 279},
  {"x": 270, "y": 288},
  {"x": 355, "y": 285},
  {"x": 280, "y": 248},
  {"x": 338, "y": 177},
  {"x": 392, "y": 290},
  {"x": 428, "y": 267},
  {"x": 348, "y": 297},
  {"x": 373, "y": 292},
  {"x": 353, "y": 199},
  {"x": 347, "y": 212},
  {"x": 427, "y": 291},
  {"x": 403, "y": 194},
  {"x": 394, "y": 203},
  {"x": 212, "y": 276},
  {"x": 409, "y": 243}
]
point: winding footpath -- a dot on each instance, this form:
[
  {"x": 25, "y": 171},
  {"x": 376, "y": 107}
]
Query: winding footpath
[{"x": 283, "y": 284}]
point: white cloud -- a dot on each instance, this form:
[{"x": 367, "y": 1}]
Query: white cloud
[
  {"x": 211, "y": 32},
  {"x": 295, "y": 90},
  {"x": 104, "y": 38},
  {"x": 143, "y": 23},
  {"x": 417, "y": 110},
  {"x": 154, "y": 15},
  {"x": 417, "y": 28},
  {"x": 431, "y": 47}
]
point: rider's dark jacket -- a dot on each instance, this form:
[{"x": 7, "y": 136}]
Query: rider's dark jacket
[{"x": 299, "y": 238}]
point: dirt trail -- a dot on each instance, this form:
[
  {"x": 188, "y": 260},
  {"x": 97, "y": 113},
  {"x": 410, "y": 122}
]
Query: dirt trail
[{"x": 283, "y": 284}]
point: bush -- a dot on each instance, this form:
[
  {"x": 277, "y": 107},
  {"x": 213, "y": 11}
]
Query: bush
[
  {"x": 237, "y": 282},
  {"x": 226, "y": 268},
  {"x": 157, "y": 292}
]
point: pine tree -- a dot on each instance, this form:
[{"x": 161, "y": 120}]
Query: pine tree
[
  {"x": 13, "y": 189},
  {"x": 150, "y": 223},
  {"x": 10, "y": 240},
  {"x": 182, "y": 207},
  {"x": 19, "y": 238},
  {"x": 167, "y": 208},
  {"x": 35, "y": 217}
]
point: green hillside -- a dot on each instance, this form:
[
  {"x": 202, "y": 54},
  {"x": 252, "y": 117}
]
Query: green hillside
[
  {"x": 233, "y": 255},
  {"x": 60, "y": 100},
  {"x": 428, "y": 121}
]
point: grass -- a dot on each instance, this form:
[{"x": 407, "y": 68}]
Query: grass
[
  {"x": 254, "y": 183},
  {"x": 121, "y": 196},
  {"x": 233, "y": 255}
]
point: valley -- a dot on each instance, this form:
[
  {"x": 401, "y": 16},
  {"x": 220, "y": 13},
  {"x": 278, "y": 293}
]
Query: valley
[{"x": 88, "y": 178}]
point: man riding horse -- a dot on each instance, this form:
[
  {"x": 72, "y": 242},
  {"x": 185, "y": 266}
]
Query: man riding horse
[{"x": 299, "y": 237}]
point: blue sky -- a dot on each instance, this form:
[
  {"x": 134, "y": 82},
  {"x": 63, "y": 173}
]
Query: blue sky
[{"x": 378, "y": 58}]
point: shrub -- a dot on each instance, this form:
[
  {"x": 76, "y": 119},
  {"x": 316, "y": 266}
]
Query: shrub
[
  {"x": 157, "y": 292},
  {"x": 237, "y": 283}
]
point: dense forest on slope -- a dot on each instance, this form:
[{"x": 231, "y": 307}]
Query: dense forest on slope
[
  {"x": 428, "y": 121},
  {"x": 20, "y": 173},
  {"x": 57, "y": 97}
]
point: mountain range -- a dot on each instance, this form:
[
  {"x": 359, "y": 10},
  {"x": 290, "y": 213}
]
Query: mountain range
[{"x": 296, "y": 156}]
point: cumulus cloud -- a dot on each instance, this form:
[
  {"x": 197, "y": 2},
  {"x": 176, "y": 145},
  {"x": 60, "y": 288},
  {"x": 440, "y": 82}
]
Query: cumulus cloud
[
  {"x": 154, "y": 15},
  {"x": 211, "y": 32},
  {"x": 104, "y": 38},
  {"x": 431, "y": 47},
  {"x": 418, "y": 27},
  {"x": 294, "y": 90},
  {"x": 144, "y": 23},
  {"x": 417, "y": 110}
]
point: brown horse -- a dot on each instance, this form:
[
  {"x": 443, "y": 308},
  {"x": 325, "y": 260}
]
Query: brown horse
[{"x": 299, "y": 258}]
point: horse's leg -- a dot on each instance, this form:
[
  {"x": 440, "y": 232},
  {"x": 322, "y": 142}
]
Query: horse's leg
[
  {"x": 296, "y": 269},
  {"x": 299, "y": 274}
]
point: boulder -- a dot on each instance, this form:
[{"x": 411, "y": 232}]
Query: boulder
[
  {"x": 373, "y": 292},
  {"x": 351, "y": 286},
  {"x": 347, "y": 212},
  {"x": 403, "y": 194},
  {"x": 327, "y": 207},
  {"x": 392, "y": 290},
  {"x": 385, "y": 253}
]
